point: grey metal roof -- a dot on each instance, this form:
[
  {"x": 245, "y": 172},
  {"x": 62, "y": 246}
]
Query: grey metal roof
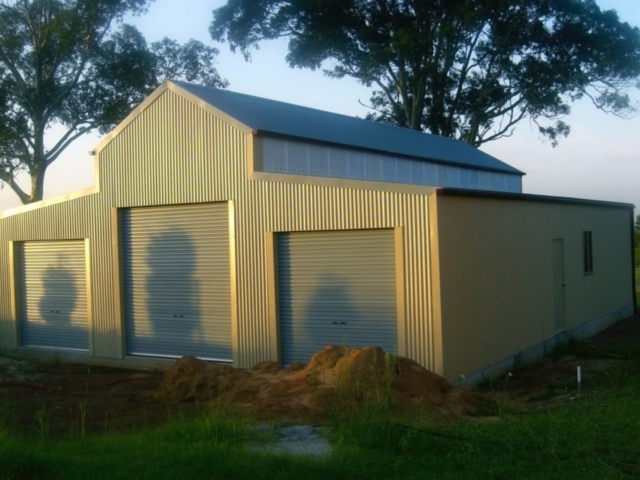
[
  {"x": 270, "y": 116},
  {"x": 528, "y": 197}
]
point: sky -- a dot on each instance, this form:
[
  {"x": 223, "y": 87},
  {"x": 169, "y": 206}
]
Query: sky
[{"x": 599, "y": 160}]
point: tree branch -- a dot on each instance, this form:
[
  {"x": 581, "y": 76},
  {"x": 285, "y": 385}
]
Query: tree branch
[
  {"x": 501, "y": 132},
  {"x": 9, "y": 180},
  {"x": 65, "y": 141}
]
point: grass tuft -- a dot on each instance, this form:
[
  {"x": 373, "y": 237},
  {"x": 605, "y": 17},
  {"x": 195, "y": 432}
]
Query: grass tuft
[
  {"x": 594, "y": 437},
  {"x": 363, "y": 393}
]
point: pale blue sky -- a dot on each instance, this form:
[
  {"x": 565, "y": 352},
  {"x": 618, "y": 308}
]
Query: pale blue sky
[{"x": 600, "y": 159}]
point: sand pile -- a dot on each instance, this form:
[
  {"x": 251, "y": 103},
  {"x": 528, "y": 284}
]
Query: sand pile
[{"x": 311, "y": 392}]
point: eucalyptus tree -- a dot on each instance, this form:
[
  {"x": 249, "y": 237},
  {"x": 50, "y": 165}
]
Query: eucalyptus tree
[
  {"x": 468, "y": 69},
  {"x": 74, "y": 63}
]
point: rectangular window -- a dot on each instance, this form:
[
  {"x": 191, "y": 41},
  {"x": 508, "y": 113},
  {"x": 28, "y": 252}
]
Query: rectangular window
[{"x": 587, "y": 252}]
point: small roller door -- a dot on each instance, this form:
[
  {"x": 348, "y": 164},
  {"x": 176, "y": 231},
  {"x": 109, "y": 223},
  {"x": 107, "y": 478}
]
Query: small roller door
[
  {"x": 52, "y": 295},
  {"x": 336, "y": 287},
  {"x": 176, "y": 281}
]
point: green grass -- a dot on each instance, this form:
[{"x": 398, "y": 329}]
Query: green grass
[
  {"x": 592, "y": 439},
  {"x": 595, "y": 437}
]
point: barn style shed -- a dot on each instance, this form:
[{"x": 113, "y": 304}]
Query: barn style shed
[{"x": 240, "y": 229}]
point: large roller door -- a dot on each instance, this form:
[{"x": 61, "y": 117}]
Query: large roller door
[
  {"x": 176, "y": 281},
  {"x": 52, "y": 295},
  {"x": 336, "y": 287}
]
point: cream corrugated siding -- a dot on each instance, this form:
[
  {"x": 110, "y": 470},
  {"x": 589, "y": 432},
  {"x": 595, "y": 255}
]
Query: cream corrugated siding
[
  {"x": 53, "y": 295},
  {"x": 212, "y": 166},
  {"x": 336, "y": 287},
  {"x": 176, "y": 281},
  {"x": 184, "y": 158},
  {"x": 85, "y": 217},
  {"x": 289, "y": 207},
  {"x": 176, "y": 152},
  {"x": 517, "y": 263}
]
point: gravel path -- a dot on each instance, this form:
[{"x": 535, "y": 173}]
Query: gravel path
[{"x": 293, "y": 440}]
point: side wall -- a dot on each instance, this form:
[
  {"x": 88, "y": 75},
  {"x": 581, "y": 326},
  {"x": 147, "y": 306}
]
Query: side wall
[{"x": 495, "y": 274}]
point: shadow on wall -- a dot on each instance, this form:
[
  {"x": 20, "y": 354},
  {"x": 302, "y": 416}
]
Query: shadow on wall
[
  {"x": 333, "y": 311},
  {"x": 175, "y": 307},
  {"x": 171, "y": 291},
  {"x": 58, "y": 325},
  {"x": 326, "y": 315}
]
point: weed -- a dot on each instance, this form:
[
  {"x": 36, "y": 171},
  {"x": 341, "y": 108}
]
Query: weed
[
  {"x": 593, "y": 438},
  {"x": 628, "y": 349},
  {"x": 364, "y": 392},
  {"x": 574, "y": 347},
  {"x": 495, "y": 402},
  {"x": 637, "y": 272},
  {"x": 6, "y": 414},
  {"x": 43, "y": 425},
  {"x": 82, "y": 407}
]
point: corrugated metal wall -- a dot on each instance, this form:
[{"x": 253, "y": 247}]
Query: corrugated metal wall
[
  {"x": 82, "y": 218},
  {"x": 282, "y": 155},
  {"x": 336, "y": 287},
  {"x": 52, "y": 295},
  {"x": 177, "y": 152},
  {"x": 287, "y": 207},
  {"x": 176, "y": 285}
]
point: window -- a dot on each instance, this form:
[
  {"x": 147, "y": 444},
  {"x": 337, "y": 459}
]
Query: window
[{"x": 587, "y": 252}]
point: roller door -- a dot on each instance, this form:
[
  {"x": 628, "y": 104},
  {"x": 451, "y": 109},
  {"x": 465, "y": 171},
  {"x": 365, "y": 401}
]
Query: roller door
[
  {"x": 52, "y": 295},
  {"x": 336, "y": 287},
  {"x": 176, "y": 265}
]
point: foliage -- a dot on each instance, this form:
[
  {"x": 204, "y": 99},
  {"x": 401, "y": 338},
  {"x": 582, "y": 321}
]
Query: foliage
[
  {"x": 591, "y": 437},
  {"x": 66, "y": 62},
  {"x": 363, "y": 394},
  {"x": 636, "y": 232},
  {"x": 468, "y": 69},
  {"x": 637, "y": 273}
]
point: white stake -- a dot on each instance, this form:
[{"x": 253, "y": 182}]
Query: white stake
[{"x": 579, "y": 371}]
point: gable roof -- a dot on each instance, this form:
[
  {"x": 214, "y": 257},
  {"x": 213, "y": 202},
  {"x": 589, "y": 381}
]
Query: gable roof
[{"x": 273, "y": 117}]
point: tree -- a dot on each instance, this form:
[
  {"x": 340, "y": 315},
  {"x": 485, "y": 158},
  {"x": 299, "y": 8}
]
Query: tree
[
  {"x": 64, "y": 62},
  {"x": 468, "y": 69},
  {"x": 636, "y": 233}
]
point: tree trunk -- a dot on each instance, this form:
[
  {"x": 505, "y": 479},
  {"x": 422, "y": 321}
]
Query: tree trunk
[
  {"x": 37, "y": 186},
  {"x": 38, "y": 167}
]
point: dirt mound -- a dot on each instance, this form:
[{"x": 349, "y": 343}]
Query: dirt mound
[
  {"x": 75, "y": 398},
  {"x": 336, "y": 377},
  {"x": 193, "y": 379}
]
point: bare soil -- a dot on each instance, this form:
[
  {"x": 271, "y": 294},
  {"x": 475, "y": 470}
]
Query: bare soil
[{"x": 43, "y": 398}]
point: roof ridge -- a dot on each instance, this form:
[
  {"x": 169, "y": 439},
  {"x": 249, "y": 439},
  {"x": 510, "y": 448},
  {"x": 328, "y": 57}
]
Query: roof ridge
[
  {"x": 289, "y": 119},
  {"x": 324, "y": 112}
]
